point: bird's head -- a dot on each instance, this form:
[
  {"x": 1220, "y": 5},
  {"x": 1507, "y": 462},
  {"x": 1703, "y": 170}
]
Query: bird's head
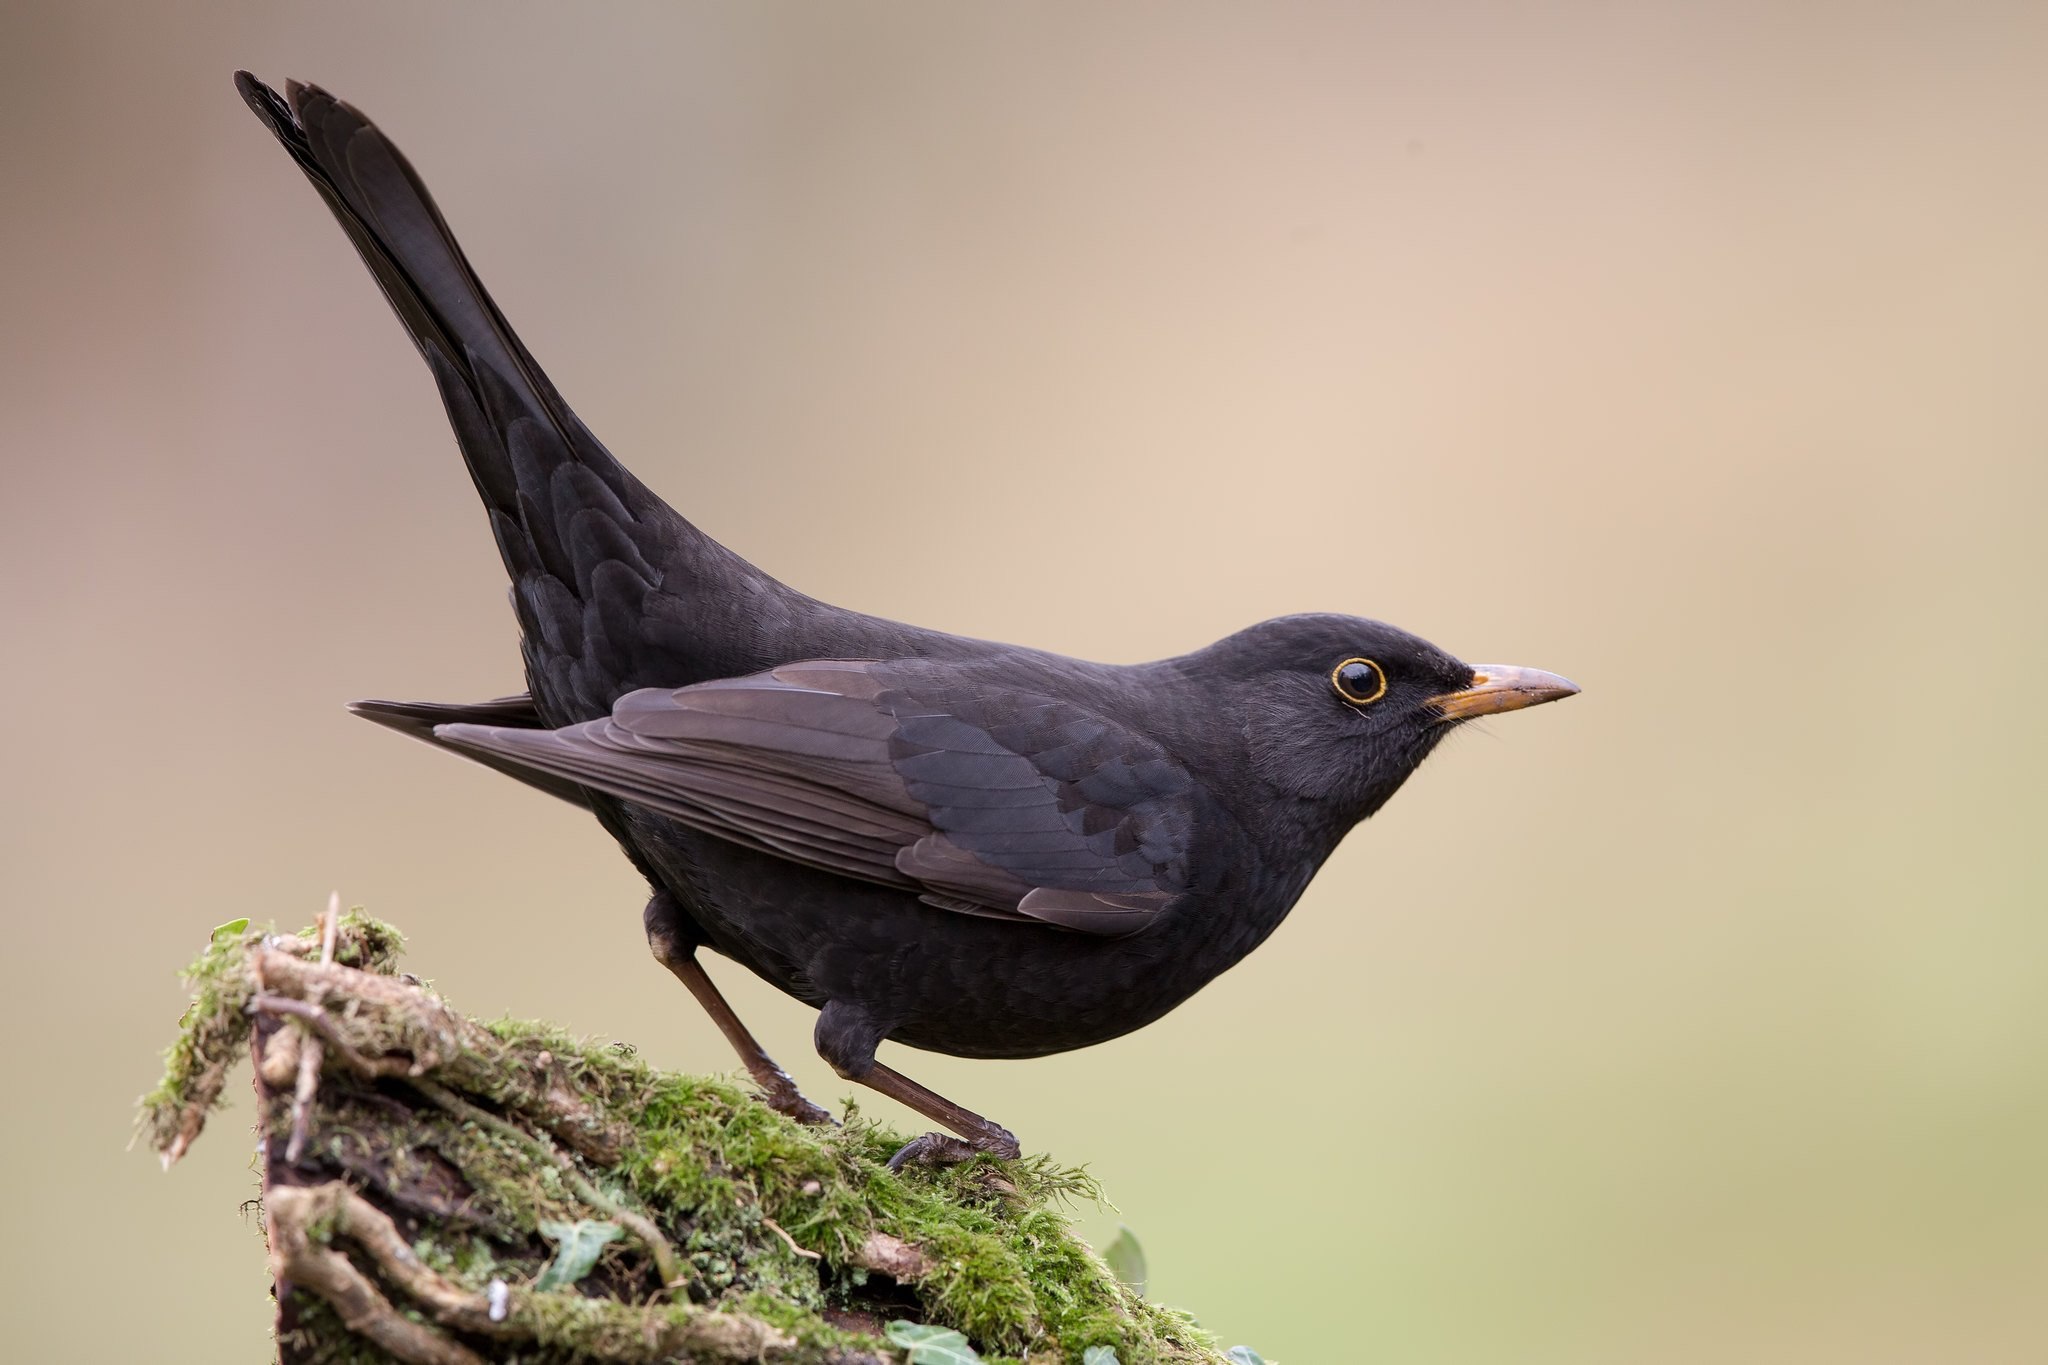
[{"x": 1339, "y": 710}]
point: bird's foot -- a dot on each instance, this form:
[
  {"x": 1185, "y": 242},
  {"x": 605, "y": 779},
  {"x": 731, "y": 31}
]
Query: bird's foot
[
  {"x": 784, "y": 1098},
  {"x": 777, "y": 1089},
  {"x": 943, "y": 1149}
]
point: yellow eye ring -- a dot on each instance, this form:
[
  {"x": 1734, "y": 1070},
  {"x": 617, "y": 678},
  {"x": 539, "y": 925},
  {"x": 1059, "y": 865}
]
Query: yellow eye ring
[{"x": 1359, "y": 681}]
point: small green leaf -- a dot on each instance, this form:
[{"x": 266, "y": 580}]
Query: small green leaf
[
  {"x": 1100, "y": 1355},
  {"x": 1126, "y": 1259},
  {"x": 1244, "y": 1355},
  {"x": 929, "y": 1345},
  {"x": 232, "y": 929},
  {"x": 578, "y": 1246}
]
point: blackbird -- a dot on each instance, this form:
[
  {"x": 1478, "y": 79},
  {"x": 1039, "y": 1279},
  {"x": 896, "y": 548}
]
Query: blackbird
[{"x": 967, "y": 847}]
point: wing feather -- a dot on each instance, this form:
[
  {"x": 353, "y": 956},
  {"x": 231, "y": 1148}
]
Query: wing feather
[{"x": 904, "y": 773}]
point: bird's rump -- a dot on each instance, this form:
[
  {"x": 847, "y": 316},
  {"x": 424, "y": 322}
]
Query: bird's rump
[{"x": 903, "y": 773}]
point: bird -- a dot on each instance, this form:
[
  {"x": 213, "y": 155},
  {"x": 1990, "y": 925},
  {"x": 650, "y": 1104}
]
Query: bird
[{"x": 960, "y": 846}]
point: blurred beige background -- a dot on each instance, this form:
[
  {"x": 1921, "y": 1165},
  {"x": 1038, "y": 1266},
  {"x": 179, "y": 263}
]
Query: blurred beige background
[{"x": 1695, "y": 352}]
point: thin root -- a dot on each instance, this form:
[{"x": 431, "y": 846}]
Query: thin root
[
  {"x": 789, "y": 1241},
  {"x": 310, "y": 1049},
  {"x": 324, "y": 1031},
  {"x": 542, "y": 1149},
  {"x": 296, "y": 1259},
  {"x": 504, "y": 1313}
]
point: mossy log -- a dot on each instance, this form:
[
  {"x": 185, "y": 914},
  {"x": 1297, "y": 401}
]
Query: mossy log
[{"x": 447, "y": 1191}]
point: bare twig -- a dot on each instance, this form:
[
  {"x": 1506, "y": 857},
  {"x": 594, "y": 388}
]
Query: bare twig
[
  {"x": 192, "y": 1117},
  {"x": 297, "y": 1260},
  {"x": 330, "y": 926},
  {"x": 325, "y": 1031},
  {"x": 789, "y": 1241},
  {"x": 440, "y": 1040},
  {"x": 311, "y": 1048}
]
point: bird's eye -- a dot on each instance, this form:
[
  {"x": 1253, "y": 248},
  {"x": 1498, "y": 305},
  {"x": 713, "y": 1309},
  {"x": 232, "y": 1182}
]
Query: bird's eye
[{"x": 1359, "y": 681}]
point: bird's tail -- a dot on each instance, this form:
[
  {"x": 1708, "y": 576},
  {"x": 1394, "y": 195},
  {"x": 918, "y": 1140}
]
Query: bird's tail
[
  {"x": 580, "y": 536},
  {"x": 486, "y": 376}
]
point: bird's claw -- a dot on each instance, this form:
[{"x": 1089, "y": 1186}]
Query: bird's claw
[
  {"x": 943, "y": 1149},
  {"x": 783, "y": 1097},
  {"x": 802, "y": 1110}
]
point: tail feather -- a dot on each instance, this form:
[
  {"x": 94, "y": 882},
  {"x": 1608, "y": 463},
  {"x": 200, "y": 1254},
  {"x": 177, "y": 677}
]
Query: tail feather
[
  {"x": 591, "y": 552},
  {"x": 418, "y": 719},
  {"x": 388, "y": 214}
]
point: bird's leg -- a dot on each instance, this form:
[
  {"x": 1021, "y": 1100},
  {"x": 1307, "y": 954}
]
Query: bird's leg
[
  {"x": 777, "y": 1087},
  {"x": 939, "y": 1149},
  {"x": 673, "y": 951},
  {"x": 847, "y": 1038}
]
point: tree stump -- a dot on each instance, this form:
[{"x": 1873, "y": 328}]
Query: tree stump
[{"x": 444, "y": 1191}]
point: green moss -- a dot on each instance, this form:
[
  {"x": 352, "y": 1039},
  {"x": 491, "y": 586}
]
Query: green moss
[
  {"x": 729, "y": 1183},
  {"x": 216, "y": 1023},
  {"x": 1006, "y": 1267}
]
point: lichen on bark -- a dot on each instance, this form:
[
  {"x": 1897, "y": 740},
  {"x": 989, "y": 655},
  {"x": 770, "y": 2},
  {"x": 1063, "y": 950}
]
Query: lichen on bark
[{"x": 422, "y": 1170}]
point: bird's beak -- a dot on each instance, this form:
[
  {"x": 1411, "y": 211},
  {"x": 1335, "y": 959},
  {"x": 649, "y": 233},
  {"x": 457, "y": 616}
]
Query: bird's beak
[{"x": 1501, "y": 687}]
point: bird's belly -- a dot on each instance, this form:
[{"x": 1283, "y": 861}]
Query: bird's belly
[{"x": 940, "y": 980}]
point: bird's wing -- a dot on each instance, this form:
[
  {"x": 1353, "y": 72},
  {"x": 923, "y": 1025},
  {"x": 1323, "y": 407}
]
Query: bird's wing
[{"x": 984, "y": 801}]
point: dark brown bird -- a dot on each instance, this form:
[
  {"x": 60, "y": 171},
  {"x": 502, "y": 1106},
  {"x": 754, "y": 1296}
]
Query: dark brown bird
[{"x": 968, "y": 847}]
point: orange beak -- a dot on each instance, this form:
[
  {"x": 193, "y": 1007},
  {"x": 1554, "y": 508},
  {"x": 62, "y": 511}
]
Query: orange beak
[{"x": 1502, "y": 687}]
